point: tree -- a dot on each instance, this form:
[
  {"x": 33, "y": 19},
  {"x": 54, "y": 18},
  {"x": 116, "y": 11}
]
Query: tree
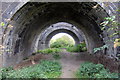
[{"x": 63, "y": 41}]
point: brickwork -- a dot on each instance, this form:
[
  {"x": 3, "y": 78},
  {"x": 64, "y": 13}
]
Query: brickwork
[{"x": 25, "y": 21}]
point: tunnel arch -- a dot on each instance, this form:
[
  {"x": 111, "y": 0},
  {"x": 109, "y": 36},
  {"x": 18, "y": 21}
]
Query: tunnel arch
[
  {"x": 62, "y": 33},
  {"x": 32, "y": 18},
  {"x": 61, "y": 27},
  {"x": 48, "y": 38}
]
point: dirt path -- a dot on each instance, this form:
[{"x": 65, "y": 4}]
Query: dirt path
[{"x": 70, "y": 63}]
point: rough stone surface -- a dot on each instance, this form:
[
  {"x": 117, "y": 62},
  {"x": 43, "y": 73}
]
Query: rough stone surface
[
  {"x": 47, "y": 34},
  {"x": 26, "y": 20}
]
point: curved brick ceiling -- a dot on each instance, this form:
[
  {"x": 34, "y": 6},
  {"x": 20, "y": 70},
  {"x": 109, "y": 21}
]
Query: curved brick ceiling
[{"x": 31, "y": 19}]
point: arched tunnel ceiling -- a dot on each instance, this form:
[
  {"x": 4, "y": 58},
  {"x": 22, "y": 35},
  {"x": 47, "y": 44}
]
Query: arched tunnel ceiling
[
  {"x": 41, "y": 15},
  {"x": 30, "y": 19},
  {"x": 61, "y": 27}
]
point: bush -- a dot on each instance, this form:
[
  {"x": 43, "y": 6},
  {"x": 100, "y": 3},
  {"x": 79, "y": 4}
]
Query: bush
[
  {"x": 53, "y": 51},
  {"x": 73, "y": 49},
  {"x": 49, "y": 51},
  {"x": 90, "y": 70},
  {"x": 3, "y": 71},
  {"x": 62, "y": 42},
  {"x": 78, "y": 48},
  {"x": 56, "y": 56},
  {"x": 46, "y": 69}
]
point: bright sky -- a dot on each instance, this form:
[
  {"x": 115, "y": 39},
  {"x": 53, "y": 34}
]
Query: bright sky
[{"x": 60, "y": 35}]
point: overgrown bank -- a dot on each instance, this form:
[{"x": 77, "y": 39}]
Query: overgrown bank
[
  {"x": 45, "y": 69},
  {"x": 90, "y": 70},
  {"x": 53, "y": 69}
]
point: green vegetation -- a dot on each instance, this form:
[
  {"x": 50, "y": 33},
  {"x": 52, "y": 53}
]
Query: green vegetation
[
  {"x": 49, "y": 51},
  {"x": 100, "y": 48},
  {"x": 56, "y": 56},
  {"x": 90, "y": 70},
  {"x": 53, "y": 51},
  {"x": 45, "y": 69},
  {"x": 111, "y": 24},
  {"x": 62, "y": 42},
  {"x": 66, "y": 42},
  {"x": 78, "y": 48},
  {"x": 3, "y": 71},
  {"x": 2, "y": 24}
]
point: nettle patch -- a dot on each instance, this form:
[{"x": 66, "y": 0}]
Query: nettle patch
[
  {"x": 77, "y": 48},
  {"x": 49, "y": 51},
  {"x": 90, "y": 70},
  {"x": 45, "y": 69},
  {"x": 52, "y": 51}
]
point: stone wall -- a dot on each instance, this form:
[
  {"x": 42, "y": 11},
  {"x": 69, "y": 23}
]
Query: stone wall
[
  {"x": 25, "y": 21},
  {"x": 54, "y": 29}
]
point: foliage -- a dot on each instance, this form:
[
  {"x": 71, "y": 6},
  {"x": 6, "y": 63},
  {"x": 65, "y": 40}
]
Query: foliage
[
  {"x": 100, "y": 48},
  {"x": 62, "y": 42},
  {"x": 49, "y": 51},
  {"x": 2, "y": 24},
  {"x": 90, "y": 70},
  {"x": 110, "y": 24},
  {"x": 45, "y": 69},
  {"x": 53, "y": 51},
  {"x": 56, "y": 56},
  {"x": 3, "y": 71},
  {"x": 78, "y": 48},
  {"x": 117, "y": 42}
]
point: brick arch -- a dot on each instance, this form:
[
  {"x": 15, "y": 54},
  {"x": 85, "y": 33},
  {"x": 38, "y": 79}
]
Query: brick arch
[
  {"x": 61, "y": 27},
  {"x": 30, "y": 19}
]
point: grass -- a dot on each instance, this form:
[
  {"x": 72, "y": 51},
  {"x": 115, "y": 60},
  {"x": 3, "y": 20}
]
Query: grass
[
  {"x": 90, "y": 70},
  {"x": 3, "y": 72},
  {"x": 78, "y": 48},
  {"x": 56, "y": 56},
  {"x": 45, "y": 69},
  {"x": 49, "y": 51},
  {"x": 53, "y": 51}
]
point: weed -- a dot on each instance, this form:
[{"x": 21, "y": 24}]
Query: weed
[
  {"x": 45, "y": 69},
  {"x": 90, "y": 70}
]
